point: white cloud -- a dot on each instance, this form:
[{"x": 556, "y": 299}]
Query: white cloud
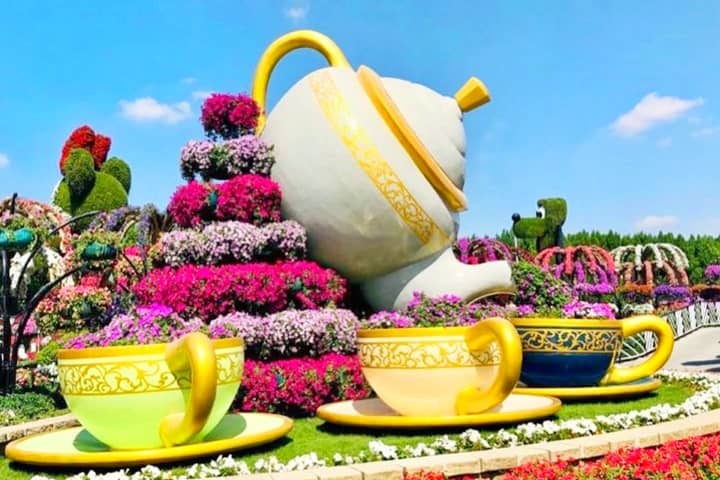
[
  {"x": 188, "y": 80},
  {"x": 655, "y": 222},
  {"x": 147, "y": 109},
  {"x": 651, "y": 111},
  {"x": 665, "y": 142},
  {"x": 4, "y": 160},
  {"x": 201, "y": 94},
  {"x": 706, "y": 132},
  {"x": 298, "y": 12}
]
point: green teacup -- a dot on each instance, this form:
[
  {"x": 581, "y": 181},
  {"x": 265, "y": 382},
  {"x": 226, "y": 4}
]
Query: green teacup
[{"x": 152, "y": 396}]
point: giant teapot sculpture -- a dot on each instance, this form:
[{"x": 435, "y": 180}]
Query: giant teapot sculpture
[{"x": 373, "y": 168}]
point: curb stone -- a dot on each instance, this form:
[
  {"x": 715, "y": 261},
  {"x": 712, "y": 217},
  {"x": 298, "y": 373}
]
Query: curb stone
[{"x": 12, "y": 432}]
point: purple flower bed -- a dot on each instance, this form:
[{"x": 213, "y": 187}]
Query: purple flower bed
[
  {"x": 580, "y": 309},
  {"x": 233, "y": 242},
  {"x": 291, "y": 333},
  {"x": 672, "y": 293},
  {"x": 247, "y": 154},
  {"x": 712, "y": 274},
  {"x": 144, "y": 325}
]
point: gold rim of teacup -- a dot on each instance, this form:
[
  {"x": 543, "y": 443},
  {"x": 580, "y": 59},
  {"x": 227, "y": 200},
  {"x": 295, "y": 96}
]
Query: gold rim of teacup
[
  {"x": 122, "y": 350},
  {"x": 602, "y": 323}
]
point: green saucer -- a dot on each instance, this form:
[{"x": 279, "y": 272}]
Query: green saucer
[{"x": 75, "y": 447}]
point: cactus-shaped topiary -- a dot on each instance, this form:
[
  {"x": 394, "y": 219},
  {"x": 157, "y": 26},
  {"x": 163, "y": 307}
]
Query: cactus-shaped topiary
[{"x": 89, "y": 181}]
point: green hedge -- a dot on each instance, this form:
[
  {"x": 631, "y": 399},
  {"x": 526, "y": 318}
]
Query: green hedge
[{"x": 702, "y": 250}]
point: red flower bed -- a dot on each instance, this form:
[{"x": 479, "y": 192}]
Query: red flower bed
[
  {"x": 246, "y": 198},
  {"x": 260, "y": 288},
  {"x": 298, "y": 386},
  {"x": 693, "y": 458},
  {"x": 224, "y": 115}
]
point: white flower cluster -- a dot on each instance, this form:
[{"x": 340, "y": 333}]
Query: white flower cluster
[{"x": 707, "y": 398}]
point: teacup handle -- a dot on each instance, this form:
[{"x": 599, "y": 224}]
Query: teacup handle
[
  {"x": 478, "y": 338},
  {"x": 665, "y": 342},
  {"x": 193, "y": 351}
]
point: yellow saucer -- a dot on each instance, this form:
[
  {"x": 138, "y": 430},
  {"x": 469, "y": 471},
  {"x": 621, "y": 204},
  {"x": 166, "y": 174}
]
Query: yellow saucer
[
  {"x": 631, "y": 389},
  {"x": 75, "y": 447},
  {"x": 372, "y": 412}
]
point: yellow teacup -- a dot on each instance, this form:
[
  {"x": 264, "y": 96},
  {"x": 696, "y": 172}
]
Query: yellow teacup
[
  {"x": 439, "y": 371},
  {"x": 152, "y": 396}
]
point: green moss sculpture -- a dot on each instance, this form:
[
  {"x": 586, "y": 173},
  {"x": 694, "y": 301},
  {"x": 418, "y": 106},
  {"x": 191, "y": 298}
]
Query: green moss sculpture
[
  {"x": 546, "y": 227},
  {"x": 90, "y": 183}
]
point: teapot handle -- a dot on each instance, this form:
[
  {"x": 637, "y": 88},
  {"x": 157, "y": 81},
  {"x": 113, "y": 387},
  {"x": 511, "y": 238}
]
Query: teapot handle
[{"x": 281, "y": 47}]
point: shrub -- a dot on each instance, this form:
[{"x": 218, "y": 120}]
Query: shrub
[
  {"x": 258, "y": 288},
  {"x": 107, "y": 194},
  {"x": 297, "y": 387},
  {"x": 291, "y": 333},
  {"x": 25, "y": 406},
  {"x": 117, "y": 168},
  {"x": 71, "y": 308},
  {"x": 539, "y": 289},
  {"x": 79, "y": 173}
]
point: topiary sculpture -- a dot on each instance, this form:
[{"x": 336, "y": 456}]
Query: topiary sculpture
[
  {"x": 546, "y": 228},
  {"x": 89, "y": 181}
]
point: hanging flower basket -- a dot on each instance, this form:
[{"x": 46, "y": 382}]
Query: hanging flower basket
[
  {"x": 99, "y": 251},
  {"x": 15, "y": 240}
]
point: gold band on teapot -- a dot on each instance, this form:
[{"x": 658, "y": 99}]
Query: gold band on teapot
[
  {"x": 414, "y": 147},
  {"x": 281, "y": 47}
]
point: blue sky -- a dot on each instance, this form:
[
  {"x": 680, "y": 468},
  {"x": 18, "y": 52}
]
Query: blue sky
[{"x": 613, "y": 105}]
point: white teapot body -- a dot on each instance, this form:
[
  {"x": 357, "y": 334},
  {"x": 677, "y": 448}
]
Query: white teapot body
[{"x": 373, "y": 168}]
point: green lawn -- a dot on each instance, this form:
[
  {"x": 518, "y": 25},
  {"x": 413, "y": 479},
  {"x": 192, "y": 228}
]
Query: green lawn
[{"x": 313, "y": 434}]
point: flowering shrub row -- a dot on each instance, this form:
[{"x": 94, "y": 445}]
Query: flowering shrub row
[
  {"x": 237, "y": 156},
  {"x": 688, "y": 459},
  {"x": 291, "y": 333},
  {"x": 232, "y": 242},
  {"x": 298, "y": 386},
  {"x": 259, "y": 288},
  {"x": 248, "y": 198},
  {"x": 71, "y": 308}
]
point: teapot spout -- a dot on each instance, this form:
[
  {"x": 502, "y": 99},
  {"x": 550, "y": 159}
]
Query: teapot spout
[{"x": 438, "y": 275}]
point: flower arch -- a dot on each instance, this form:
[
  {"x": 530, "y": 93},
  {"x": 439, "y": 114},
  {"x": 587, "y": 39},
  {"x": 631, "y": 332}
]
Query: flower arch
[
  {"x": 652, "y": 264},
  {"x": 472, "y": 250},
  {"x": 588, "y": 268}
]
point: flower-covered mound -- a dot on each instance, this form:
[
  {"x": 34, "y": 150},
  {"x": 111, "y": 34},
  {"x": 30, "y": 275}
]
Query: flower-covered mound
[
  {"x": 257, "y": 288},
  {"x": 237, "y": 156}
]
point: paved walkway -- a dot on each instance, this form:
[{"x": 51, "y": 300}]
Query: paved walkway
[{"x": 698, "y": 351}]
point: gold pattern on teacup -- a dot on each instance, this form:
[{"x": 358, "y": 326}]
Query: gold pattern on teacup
[
  {"x": 368, "y": 157},
  {"x": 113, "y": 378},
  {"x": 570, "y": 340},
  {"x": 425, "y": 354}
]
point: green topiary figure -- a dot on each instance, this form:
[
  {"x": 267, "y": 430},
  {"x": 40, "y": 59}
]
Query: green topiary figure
[
  {"x": 91, "y": 183},
  {"x": 546, "y": 228}
]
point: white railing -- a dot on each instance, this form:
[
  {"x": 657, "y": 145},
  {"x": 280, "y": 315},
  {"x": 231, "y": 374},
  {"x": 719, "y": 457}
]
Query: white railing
[{"x": 685, "y": 321}]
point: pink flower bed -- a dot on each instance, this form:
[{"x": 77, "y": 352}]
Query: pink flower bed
[
  {"x": 248, "y": 198},
  {"x": 259, "y": 288},
  {"x": 298, "y": 386}
]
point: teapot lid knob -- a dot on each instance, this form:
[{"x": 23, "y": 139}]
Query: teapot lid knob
[{"x": 472, "y": 95}]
